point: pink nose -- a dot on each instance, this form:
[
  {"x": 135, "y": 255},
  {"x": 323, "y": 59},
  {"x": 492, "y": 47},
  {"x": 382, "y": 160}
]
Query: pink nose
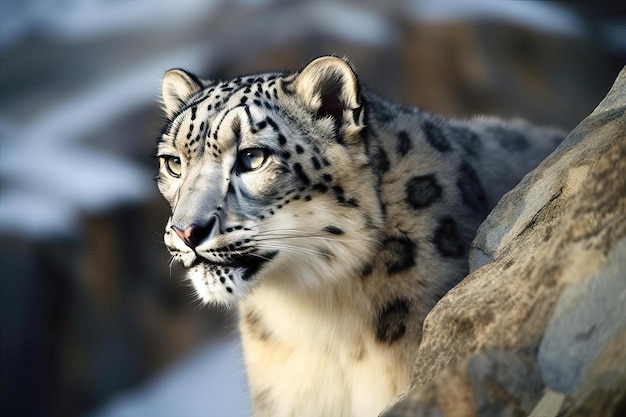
[
  {"x": 193, "y": 235},
  {"x": 196, "y": 233}
]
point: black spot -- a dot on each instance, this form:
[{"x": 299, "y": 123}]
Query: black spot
[
  {"x": 511, "y": 141},
  {"x": 272, "y": 123},
  {"x": 422, "y": 191},
  {"x": 230, "y": 290},
  {"x": 286, "y": 155},
  {"x": 256, "y": 326},
  {"x": 322, "y": 188},
  {"x": 261, "y": 125},
  {"x": 391, "y": 321},
  {"x": 399, "y": 254},
  {"x": 471, "y": 190},
  {"x": 381, "y": 112},
  {"x": 252, "y": 264},
  {"x": 380, "y": 161},
  {"x": 337, "y": 189},
  {"x": 468, "y": 141},
  {"x": 367, "y": 269},
  {"x": 301, "y": 174},
  {"x": 447, "y": 239},
  {"x": 333, "y": 230},
  {"x": 327, "y": 177},
  {"x": 435, "y": 137},
  {"x": 356, "y": 113},
  {"x": 324, "y": 253},
  {"x": 315, "y": 162},
  {"x": 404, "y": 144},
  {"x": 281, "y": 139},
  {"x": 299, "y": 149}
]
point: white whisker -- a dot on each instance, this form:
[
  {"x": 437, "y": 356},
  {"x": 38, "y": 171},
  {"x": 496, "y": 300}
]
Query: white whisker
[
  {"x": 265, "y": 238},
  {"x": 292, "y": 249}
]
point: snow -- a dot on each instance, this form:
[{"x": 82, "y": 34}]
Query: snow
[
  {"x": 209, "y": 383},
  {"x": 84, "y": 19},
  {"x": 45, "y": 161},
  {"x": 538, "y": 15},
  {"x": 348, "y": 22}
]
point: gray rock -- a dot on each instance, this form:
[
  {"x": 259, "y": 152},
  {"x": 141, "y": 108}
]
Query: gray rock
[
  {"x": 491, "y": 384},
  {"x": 548, "y": 276},
  {"x": 586, "y": 318}
]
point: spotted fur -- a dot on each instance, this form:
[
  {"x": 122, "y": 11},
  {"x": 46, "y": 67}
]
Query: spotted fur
[{"x": 332, "y": 218}]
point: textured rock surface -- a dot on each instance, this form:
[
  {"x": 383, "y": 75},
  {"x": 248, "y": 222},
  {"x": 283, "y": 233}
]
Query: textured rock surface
[{"x": 545, "y": 304}]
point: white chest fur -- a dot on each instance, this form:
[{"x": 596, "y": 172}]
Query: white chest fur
[{"x": 321, "y": 364}]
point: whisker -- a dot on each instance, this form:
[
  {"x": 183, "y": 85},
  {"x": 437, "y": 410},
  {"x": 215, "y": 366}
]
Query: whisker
[
  {"x": 265, "y": 237},
  {"x": 292, "y": 249},
  {"x": 260, "y": 256}
]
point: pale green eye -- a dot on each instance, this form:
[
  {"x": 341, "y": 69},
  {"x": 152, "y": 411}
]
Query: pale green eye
[
  {"x": 252, "y": 158},
  {"x": 172, "y": 165}
]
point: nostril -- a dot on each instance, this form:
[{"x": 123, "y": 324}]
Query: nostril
[{"x": 195, "y": 234}]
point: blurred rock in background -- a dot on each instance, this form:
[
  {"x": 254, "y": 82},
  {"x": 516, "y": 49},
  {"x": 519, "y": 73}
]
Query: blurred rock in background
[{"x": 92, "y": 315}]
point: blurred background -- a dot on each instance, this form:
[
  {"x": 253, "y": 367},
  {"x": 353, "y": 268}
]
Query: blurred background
[{"x": 94, "y": 321}]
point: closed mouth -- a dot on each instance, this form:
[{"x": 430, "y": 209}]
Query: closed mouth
[{"x": 249, "y": 263}]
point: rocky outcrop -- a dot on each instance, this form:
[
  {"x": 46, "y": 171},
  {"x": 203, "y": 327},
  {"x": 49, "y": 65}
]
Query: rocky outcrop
[{"x": 544, "y": 307}]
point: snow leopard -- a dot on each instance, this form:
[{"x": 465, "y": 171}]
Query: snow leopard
[{"x": 331, "y": 219}]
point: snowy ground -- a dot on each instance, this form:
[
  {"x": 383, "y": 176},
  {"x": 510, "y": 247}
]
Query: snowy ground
[{"x": 209, "y": 383}]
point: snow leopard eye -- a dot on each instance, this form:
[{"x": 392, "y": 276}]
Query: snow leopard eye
[
  {"x": 252, "y": 158},
  {"x": 172, "y": 165}
]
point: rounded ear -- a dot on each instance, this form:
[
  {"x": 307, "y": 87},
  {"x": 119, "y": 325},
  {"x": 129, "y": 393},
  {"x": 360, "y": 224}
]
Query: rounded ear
[
  {"x": 329, "y": 87},
  {"x": 178, "y": 85}
]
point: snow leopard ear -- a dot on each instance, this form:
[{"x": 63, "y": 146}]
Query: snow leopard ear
[
  {"x": 178, "y": 85},
  {"x": 329, "y": 87}
]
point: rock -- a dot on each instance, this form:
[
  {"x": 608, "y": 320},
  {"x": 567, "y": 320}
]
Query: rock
[
  {"x": 587, "y": 317},
  {"x": 496, "y": 382},
  {"x": 545, "y": 303}
]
